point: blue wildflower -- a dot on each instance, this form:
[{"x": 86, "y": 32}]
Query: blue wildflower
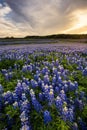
[{"x": 47, "y": 117}]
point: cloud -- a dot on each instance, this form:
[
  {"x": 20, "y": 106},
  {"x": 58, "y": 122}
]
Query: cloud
[
  {"x": 42, "y": 17},
  {"x": 80, "y": 30}
]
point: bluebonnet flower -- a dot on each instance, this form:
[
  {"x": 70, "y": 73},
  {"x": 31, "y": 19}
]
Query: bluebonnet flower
[
  {"x": 32, "y": 94},
  {"x": 25, "y": 106},
  {"x": 39, "y": 82},
  {"x": 10, "y": 75},
  {"x": 60, "y": 86},
  {"x": 25, "y": 127},
  {"x": 47, "y": 117},
  {"x": 23, "y": 83},
  {"x": 26, "y": 89},
  {"x": 82, "y": 95},
  {"x": 15, "y": 66},
  {"x": 36, "y": 104},
  {"x": 76, "y": 84},
  {"x": 58, "y": 74},
  {"x": 57, "y": 89},
  {"x": 57, "y": 62},
  {"x": 46, "y": 79},
  {"x": 54, "y": 79},
  {"x": 4, "y": 71},
  {"x": 1, "y": 102},
  {"x": 59, "y": 103},
  {"x": 24, "y": 69},
  {"x": 34, "y": 83},
  {"x": 29, "y": 68},
  {"x": 46, "y": 91},
  {"x": 51, "y": 96},
  {"x": 23, "y": 97},
  {"x": 1, "y": 89},
  {"x": 75, "y": 126},
  {"x": 36, "y": 77},
  {"x": 15, "y": 97},
  {"x": 44, "y": 70},
  {"x": 26, "y": 81},
  {"x": 25, "y": 110},
  {"x": 59, "y": 80},
  {"x": 24, "y": 117},
  {"x": 61, "y": 69},
  {"x": 65, "y": 113},
  {"x": 9, "y": 122},
  {"x": 8, "y": 97},
  {"x": 70, "y": 115},
  {"x": 73, "y": 86},
  {"x": 82, "y": 124},
  {"x": 15, "y": 105},
  {"x": 79, "y": 104},
  {"x": 68, "y": 82},
  {"x": 85, "y": 72},
  {"x": 41, "y": 96},
  {"x": 19, "y": 90},
  {"x": 64, "y": 82},
  {"x": 66, "y": 88},
  {"x": 6, "y": 76},
  {"x": 55, "y": 70},
  {"x": 63, "y": 95},
  {"x": 45, "y": 87}
]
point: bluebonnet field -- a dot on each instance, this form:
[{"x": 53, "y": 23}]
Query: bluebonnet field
[{"x": 43, "y": 87}]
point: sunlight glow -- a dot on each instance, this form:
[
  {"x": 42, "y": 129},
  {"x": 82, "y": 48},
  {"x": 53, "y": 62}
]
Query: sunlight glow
[{"x": 81, "y": 22}]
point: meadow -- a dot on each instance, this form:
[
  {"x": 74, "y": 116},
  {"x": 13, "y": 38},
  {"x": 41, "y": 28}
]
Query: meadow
[{"x": 43, "y": 87}]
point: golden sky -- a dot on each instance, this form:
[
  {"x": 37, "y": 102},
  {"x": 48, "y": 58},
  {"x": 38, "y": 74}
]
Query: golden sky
[{"x": 42, "y": 17}]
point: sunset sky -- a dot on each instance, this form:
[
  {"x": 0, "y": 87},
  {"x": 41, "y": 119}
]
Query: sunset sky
[{"x": 42, "y": 17}]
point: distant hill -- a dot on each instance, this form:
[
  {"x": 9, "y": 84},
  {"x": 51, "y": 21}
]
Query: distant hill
[
  {"x": 60, "y": 36},
  {"x": 57, "y": 36}
]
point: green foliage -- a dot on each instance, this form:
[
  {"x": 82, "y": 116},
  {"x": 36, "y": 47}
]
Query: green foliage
[
  {"x": 3, "y": 121},
  {"x": 10, "y": 85},
  {"x": 36, "y": 118},
  {"x": 5, "y": 64},
  {"x": 9, "y": 110},
  {"x": 7, "y": 85},
  {"x": 1, "y": 79},
  {"x": 82, "y": 81},
  {"x": 20, "y": 63},
  {"x": 84, "y": 113},
  {"x": 13, "y": 114},
  {"x": 55, "y": 124}
]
